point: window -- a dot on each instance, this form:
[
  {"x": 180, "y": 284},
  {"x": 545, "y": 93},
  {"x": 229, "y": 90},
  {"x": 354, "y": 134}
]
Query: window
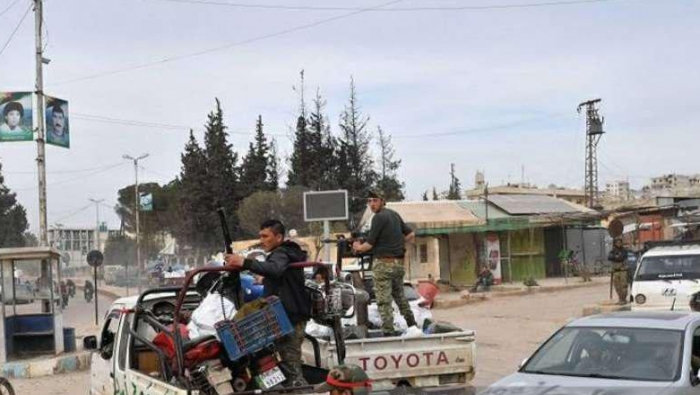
[{"x": 423, "y": 253}]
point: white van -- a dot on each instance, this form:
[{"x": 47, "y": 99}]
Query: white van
[{"x": 666, "y": 276}]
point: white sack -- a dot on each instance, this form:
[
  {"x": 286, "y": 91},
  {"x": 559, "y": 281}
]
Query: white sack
[{"x": 208, "y": 313}]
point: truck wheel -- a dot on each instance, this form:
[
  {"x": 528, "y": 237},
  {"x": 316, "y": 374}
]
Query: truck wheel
[{"x": 6, "y": 387}]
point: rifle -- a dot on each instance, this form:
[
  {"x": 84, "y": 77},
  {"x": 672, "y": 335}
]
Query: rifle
[{"x": 235, "y": 276}]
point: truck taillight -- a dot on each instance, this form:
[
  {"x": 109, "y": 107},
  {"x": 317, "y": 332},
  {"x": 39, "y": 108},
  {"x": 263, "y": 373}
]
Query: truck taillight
[
  {"x": 455, "y": 378},
  {"x": 640, "y": 299}
]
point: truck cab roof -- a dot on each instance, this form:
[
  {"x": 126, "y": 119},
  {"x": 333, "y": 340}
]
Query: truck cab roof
[{"x": 685, "y": 249}]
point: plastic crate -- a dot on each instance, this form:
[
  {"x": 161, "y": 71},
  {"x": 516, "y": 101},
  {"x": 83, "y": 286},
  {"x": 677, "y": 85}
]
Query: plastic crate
[{"x": 255, "y": 331}]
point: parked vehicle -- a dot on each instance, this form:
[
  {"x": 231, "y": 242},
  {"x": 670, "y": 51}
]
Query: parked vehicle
[
  {"x": 667, "y": 276},
  {"x": 620, "y": 353}
]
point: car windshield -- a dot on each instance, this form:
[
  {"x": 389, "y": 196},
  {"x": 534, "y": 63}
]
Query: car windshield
[
  {"x": 669, "y": 267},
  {"x": 615, "y": 353}
]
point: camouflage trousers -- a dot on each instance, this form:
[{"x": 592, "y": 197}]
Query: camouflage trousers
[
  {"x": 619, "y": 279},
  {"x": 388, "y": 284},
  {"x": 289, "y": 348}
]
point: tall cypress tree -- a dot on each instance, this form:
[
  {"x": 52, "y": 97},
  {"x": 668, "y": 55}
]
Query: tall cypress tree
[
  {"x": 13, "y": 217},
  {"x": 455, "y": 191},
  {"x": 223, "y": 172},
  {"x": 193, "y": 228},
  {"x": 273, "y": 168},
  {"x": 323, "y": 146},
  {"x": 355, "y": 164},
  {"x": 435, "y": 194},
  {"x": 388, "y": 166},
  {"x": 255, "y": 170}
]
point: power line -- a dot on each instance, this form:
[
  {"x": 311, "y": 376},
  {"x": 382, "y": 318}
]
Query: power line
[
  {"x": 147, "y": 124},
  {"x": 76, "y": 212},
  {"x": 396, "y": 9},
  {"x": 12, "y": 35},
  {"x": 75, "y": 178},
  {"x": 8, "y": 7},
  {"x": 63, "y": 171},
  {"x": 226, "y": 46}
]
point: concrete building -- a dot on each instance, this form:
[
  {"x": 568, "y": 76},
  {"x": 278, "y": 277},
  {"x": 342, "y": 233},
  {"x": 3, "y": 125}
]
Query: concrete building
[
  {"x": 75, "y": 243},
  {"x": 619, "y": 190},
  {"x": 570, "y": 195},
  {"x": 671, "y": 181}
]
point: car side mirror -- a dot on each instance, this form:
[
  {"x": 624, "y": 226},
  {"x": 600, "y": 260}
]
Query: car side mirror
[
  {"x": 90, "y": 343},
  {"x": 522, "y": 363}
]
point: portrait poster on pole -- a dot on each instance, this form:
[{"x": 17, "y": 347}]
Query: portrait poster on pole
[
  {"x": 57, "y": 125},
  {"x": 17, "y": 120},
  {"x": 493, "y": 256}
]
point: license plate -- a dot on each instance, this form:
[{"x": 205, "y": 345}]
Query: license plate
[{"x": 270, "y": 378}]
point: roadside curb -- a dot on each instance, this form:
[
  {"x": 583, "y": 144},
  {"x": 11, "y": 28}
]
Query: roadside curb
[
  {"x": 469, "y": 298},
  {"x": 47, "y": 367}
]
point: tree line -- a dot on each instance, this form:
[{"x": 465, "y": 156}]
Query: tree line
[{"x": 249, "y": 188}]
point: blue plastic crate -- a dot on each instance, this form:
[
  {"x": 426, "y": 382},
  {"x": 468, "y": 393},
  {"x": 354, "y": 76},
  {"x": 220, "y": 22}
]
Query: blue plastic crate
[{"x": 255, "y": 331}]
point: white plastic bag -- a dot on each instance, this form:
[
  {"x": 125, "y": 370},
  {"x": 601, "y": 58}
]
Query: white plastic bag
[
  {"x": 419, "y": 313},
  {"x": 208, "y": 313}
]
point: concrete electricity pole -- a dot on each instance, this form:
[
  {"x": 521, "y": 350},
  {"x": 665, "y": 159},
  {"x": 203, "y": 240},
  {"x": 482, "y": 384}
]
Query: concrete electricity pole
[
  {"x": 97, "y": 221},
  {"x": 139, "y": 267},
  {"x": 41, "y": 147}
]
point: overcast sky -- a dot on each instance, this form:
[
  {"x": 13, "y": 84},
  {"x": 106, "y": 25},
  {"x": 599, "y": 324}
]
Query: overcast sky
[{"x": 490, "y": 89}]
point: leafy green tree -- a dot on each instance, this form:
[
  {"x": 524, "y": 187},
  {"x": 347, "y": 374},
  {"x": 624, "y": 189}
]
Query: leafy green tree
[
  {"x": 355, "y": 164},
  {"x": 154, "y": 224},
  {"x": 388, "y": 181},
  {"x": 120, "y": 250},
  {"x": 13, "y": 217},
  {"x": 425, "y": 196},
  {"x": 435, "y": 194}
]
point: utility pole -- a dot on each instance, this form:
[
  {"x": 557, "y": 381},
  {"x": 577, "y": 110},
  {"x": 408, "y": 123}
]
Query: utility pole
[
  {"x": 139, "y": 267},
  {"x": 97, "y": 222},
  {"x": 41, "y": 147},
  {"x": 594, "y": 131}
]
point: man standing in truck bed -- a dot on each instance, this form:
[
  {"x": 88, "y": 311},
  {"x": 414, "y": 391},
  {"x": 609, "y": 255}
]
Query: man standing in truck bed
[
  {"x": 387, "y": 240},
  {"x": 287, "y": 284}
]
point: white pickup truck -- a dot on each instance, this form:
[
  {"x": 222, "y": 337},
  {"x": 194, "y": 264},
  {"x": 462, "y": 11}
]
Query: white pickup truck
[{"x": 128, "y": 361}]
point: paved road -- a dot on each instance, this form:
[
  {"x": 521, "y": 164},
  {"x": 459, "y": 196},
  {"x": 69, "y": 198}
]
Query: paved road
[
  {"x": 80, "y": 315},
  {"x": 508, "y": 330}
]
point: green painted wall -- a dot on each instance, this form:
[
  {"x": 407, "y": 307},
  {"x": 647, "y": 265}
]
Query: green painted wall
[{"x": 527, "y": 251}]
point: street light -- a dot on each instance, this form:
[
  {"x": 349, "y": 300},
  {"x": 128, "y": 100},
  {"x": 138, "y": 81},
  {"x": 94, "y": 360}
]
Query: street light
[{"x": 136, "y": 209}]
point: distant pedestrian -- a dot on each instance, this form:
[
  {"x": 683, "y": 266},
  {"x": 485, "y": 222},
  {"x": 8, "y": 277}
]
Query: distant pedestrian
[{"x": 618, "y": 258}]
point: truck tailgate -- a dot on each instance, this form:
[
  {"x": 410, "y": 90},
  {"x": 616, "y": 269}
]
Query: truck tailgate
[{"x": 430, "y": 360}]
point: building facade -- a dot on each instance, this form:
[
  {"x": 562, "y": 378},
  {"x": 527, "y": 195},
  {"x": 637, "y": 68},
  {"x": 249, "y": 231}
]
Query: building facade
[
  {"x": 619, "y": 190},
  {"x": 75, "y": 243}
]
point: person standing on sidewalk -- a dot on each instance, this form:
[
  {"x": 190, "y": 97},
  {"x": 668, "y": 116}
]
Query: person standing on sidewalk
[
  {"x": 618, "y": 257},
  {"x": 387, "y": 240}
]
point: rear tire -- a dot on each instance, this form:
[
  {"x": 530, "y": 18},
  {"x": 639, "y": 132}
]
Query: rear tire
[{"x": 6, "y": 387}]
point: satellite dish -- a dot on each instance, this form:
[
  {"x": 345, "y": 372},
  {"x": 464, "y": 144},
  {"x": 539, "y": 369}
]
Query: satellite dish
[
  {"x": 95, "y": 258},
  {"x": 615, "y": 228}
]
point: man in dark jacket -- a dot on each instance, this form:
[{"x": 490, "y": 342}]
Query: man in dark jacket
[{"x": 285, "y": 283}]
